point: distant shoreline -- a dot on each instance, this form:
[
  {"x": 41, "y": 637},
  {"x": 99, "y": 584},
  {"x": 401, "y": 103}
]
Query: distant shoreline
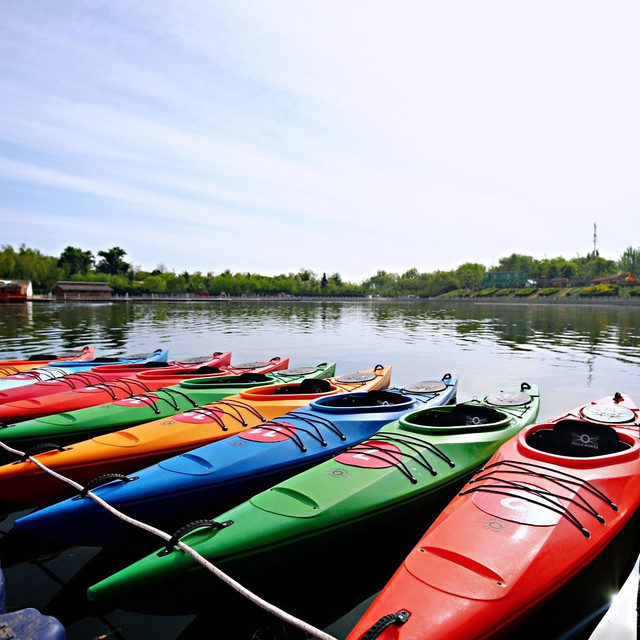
[{"x": 485, "y": 300}]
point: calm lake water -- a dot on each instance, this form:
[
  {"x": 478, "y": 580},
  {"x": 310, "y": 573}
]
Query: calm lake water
[{"x": 575, "y": 353}]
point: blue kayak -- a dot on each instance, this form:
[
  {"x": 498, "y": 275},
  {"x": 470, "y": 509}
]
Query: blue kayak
[
  {"x": 59, "y": 369},
  {"x": 158, "y": 355},
  {"x": 229, "y": 470}
]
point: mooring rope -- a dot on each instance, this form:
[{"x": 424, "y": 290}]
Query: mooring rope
[{"x": 257, "y": 600}]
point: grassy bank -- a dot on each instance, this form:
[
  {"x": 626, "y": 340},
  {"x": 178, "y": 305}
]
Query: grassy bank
[{"x": 604, "y": 292}]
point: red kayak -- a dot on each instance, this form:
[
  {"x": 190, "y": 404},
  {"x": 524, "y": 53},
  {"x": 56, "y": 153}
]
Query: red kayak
[
  {"x": 101, "y": 374},
  {"x": 128, "y": 387},
  {"x": 539, "y": 512},
  {"x": 16, "y": 365}
]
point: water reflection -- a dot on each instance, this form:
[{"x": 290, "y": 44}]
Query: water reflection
[
  {"x": 574, "y": 353},
  {"x": 119, "y": 327}
]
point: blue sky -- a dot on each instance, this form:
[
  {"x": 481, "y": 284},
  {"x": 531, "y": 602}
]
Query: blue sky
[{"x": 338, "y": 136}]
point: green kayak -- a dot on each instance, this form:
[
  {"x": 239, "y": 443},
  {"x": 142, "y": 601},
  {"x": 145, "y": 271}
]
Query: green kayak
[
  {"x": 405, "y": 466},
  {"x": 72, "y": 426}
]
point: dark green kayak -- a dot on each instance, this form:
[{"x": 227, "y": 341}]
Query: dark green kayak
[
  {"x": 74, "y": 426},
  {"x": 404, "y": 466}
]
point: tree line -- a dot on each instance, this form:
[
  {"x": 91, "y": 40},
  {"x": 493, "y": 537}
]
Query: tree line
[{"x": 110, "y": 266}]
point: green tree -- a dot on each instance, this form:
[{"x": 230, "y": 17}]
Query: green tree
[
  {"x": 554, "y": 268},
  {"x": 516, "y": 262},
  {"x": 470, "y": 275},
  {"x": 74, "y": 261},
  {"x": 29, "y": 264},
  {"x": 630, "y": 261},
  {"x": 306, "y": 275},
  {"x": 112, "y": 262},
  {"x": 40, "y": 269},
  {"x": 440, "y": 282},
  {"x": 8, "y": 262},
  {"x": 383, "y": 283},
  {"x": 595, "y": 266}
]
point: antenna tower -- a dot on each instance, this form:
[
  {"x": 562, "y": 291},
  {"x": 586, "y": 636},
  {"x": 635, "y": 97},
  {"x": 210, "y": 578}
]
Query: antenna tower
[{"x": 595, "y": 239}]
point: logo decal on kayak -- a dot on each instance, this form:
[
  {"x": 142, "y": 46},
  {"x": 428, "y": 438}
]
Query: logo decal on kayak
[
  {"x": 137, "y": 401},
  {"x": 496, "y": 526},
  {"x": 338, "y": 473},
  {"x": 373, "y": 454},
  {"x": 269, "y": 433},
  {"x": 519, "y": 505},
  {"x": 584, "y": 440},
  {"x": 201, "y": 416}
]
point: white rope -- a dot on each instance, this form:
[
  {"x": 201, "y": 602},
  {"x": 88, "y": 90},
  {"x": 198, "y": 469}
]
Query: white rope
[{"x": 276, "y": 611}]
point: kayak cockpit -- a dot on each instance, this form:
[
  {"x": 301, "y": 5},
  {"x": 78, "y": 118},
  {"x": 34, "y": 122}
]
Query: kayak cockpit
[
  {"x": 458, "y": 418},
  {"x": 576, "y": 439}
]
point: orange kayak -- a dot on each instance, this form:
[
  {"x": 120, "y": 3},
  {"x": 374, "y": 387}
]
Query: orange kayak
[
  {"x": 25, "y": 483},
  {"x": 16, "y": 365}
]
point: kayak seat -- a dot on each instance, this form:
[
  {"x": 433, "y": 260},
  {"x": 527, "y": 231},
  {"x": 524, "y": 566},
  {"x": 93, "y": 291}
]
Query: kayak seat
[
  {"x": 42, "y": 356},
  {"x": 460, "y": 415},
  {"x": 584, "y": 439},
  {"x": 577, "y": 439},
  {"x": 246, "y": 377},
  {"x": 206, "y": 370},
  {"x": 368, "y": 399},
  {"x": 308, "y": 385},
  {"x": 155, "y": 365}
]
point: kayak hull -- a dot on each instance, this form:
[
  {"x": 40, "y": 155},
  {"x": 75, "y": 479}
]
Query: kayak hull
[
  {"x": 124, "y": 451},
  {"x": 546, "y": 505},
  {"x": 221, "y": 473},
  {"x": 408, "y": 463},
  {"x": 100, "y": 385},
  {"x": 61, "y": 368},
  {"x": 16, "y": 365},
  {"x": 71, "y": 382},
  {"x": 131, "y": 401}
]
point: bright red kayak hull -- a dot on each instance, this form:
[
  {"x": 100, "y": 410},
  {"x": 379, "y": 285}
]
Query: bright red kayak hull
[
  {"x": 538, "y": 513},
  {"x": 126, "y": 386}
]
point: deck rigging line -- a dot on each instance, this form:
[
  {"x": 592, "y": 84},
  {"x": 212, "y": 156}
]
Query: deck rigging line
[
  {"x": 214, "y": 411},
  {"x": 153, "y": 398},
  {"x": 492, "y": 476},
  {"x": 394, "y": 458},
  {"x": 85, "y": 379},
  {"x": 315, "y": 423},
  {"x": 126, "y": 384},
  {"x": 44, "y": 373}
]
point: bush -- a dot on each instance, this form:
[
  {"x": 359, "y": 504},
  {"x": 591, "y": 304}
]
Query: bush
[
  {"x": 457, "y": 293},
  {"x": 548, "y": 291},
  {"x": 600, "y": 290},
  {"x": 491, "y": 291},
  {"x": 523, "y": 293}
]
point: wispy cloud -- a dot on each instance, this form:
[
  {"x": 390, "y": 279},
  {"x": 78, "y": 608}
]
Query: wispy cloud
[{"x": 335, "y": 136}]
